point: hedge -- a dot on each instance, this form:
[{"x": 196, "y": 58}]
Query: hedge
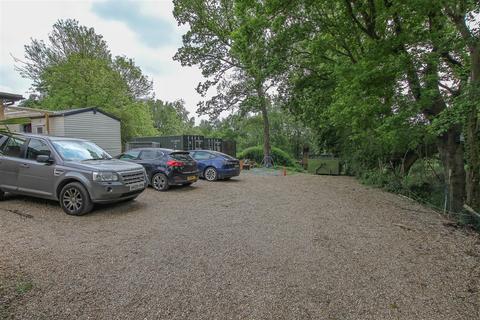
[{"x": 279, "y": 156}]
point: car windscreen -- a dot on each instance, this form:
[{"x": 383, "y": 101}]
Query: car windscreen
[
  {"x": 76, "y": 150},
  {"x": 181, "y": 156}
]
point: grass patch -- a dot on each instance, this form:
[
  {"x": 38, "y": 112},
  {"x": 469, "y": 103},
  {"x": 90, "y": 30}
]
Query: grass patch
[
  {"x": 23, "y": 287},
  {"x": 12, "y": 289}
]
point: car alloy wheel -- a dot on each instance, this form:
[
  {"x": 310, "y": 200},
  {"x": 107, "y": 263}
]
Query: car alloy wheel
[
  {"x": 72, "y": 200},
  {"x": 211, "y": 174},
  {"x": 160, "y": 182},
  {"x": 75, "y": 200}
]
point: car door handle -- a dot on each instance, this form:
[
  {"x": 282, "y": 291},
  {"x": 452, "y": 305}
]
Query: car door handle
[{"x": 25, "y": 165}]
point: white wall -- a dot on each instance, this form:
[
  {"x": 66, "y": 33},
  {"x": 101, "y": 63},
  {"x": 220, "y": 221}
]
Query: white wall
[{"x": 95, "y": 127}]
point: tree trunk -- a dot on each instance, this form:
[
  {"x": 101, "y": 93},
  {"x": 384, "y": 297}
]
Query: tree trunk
[
  {"x": 451, "y": 153},
  {"x": 472, "y": 133},
  {"x": 266, "y": 138},
  {"x": 408, "y": 161},
  {"x": 267, "y": 159}
]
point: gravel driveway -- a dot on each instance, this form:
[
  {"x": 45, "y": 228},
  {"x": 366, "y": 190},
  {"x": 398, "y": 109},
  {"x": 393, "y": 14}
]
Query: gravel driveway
[{"x": 255, "y": 247}]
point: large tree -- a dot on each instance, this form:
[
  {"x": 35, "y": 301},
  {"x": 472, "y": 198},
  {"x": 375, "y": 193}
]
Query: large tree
[
  {"x": 380, "y": 79},
  {"x": 69, "y": 38},
  {"x": 230, "y": 42},
  {"x": 74, "y": 69},
  {"x": 462, "y": 15}
]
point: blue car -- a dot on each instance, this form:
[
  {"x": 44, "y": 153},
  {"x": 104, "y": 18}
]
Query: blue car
[{"x": 214, "y": 165}]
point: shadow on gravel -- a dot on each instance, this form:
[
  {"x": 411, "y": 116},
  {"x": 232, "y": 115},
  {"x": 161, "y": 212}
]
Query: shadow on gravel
[
  {"x": 124, "y": 207},
  {"x": 229, "y": 181},
  {"x": 28, "y": 200},
  {"x": 174, "y": 189},
  {"x": 118, "y": 208}
]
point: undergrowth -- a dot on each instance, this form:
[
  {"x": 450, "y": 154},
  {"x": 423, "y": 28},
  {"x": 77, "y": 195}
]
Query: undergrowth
[{"x": 424, "y": 184}]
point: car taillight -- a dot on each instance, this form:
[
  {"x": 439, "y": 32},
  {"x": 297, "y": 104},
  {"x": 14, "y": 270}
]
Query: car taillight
[{"x": 174, "y": 163}]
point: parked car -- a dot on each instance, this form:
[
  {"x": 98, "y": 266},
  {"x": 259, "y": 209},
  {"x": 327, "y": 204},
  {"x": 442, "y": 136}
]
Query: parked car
[
  {"x": 75, "y": 172},
  {"x": 215, "y": 165},
  {"x": 165, "y": 167}
]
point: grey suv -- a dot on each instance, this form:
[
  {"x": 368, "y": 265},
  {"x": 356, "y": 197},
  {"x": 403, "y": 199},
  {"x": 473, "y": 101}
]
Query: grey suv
[{"x": 75, "y": 172}]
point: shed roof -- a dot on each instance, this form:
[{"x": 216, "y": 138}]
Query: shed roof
[
  {"x": 64, "y": 113},
  {"x": 12, "y": 112},
  {"x": 10, "y": 97}
]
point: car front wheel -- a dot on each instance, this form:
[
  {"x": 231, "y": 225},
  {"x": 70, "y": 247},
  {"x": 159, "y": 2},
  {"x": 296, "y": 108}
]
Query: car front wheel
[
  {"x": 210, "y": 174},
  {"x": 75, "y": 200},
  {"x": 160, "y": 182}
]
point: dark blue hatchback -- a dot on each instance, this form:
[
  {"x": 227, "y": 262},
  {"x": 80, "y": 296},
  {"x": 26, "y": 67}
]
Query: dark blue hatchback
[{"x": 215, "y": 165}]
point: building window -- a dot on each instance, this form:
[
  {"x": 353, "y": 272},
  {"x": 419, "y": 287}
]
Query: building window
[
  {"x": 27, "y": 128},
  {"x": 39, "y": 130}
]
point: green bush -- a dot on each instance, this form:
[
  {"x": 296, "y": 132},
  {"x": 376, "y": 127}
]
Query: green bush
[
  {"x": 384, "y": 180},
  {"x": 279, "y": 156},
  {"x": 424, "y": 182}
]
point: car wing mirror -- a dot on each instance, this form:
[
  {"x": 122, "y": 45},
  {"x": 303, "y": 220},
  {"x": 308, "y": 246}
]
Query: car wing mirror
[{"x": 44, "y": 159}]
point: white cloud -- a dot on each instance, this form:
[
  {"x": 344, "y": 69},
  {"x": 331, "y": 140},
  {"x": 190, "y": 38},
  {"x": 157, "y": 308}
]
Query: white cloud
[{"x": 23, "y": 20}]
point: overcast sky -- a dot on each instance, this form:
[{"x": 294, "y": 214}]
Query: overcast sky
[{"x": 143, "y": 30}]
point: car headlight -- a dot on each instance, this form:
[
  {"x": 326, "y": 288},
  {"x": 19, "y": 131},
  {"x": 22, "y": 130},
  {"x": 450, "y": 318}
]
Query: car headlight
[{"x": 105, "y": 176}]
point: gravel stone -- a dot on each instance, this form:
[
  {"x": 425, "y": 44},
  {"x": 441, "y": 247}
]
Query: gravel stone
[{"x": 254, "y": 247}]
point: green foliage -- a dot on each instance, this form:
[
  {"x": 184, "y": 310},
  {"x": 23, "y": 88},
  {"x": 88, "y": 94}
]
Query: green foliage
[
  {"x": 82, "y": 82},
  {"x": 279, "y": 156},
  {"x": 138, "y": 85},
  {"x": 382, "y": 179},
  {"x": 324, "y": 166},
  {"x": 379, "y": 80},
  {"x": 232, "y": 43},
  {"x": 423, "y": 183},
  {"x": 75, "y": 70},
  {"x": 171, "y": 118},
  {"x": 136, "y": 119},
  {"x": 208, "y": 44},
  {"x": 67, "y": 38},
  {"x": 247, "y": 130}
]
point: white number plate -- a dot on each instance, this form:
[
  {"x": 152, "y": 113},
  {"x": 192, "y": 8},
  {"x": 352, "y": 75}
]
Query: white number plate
[{"x": 136, "y": 186}]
